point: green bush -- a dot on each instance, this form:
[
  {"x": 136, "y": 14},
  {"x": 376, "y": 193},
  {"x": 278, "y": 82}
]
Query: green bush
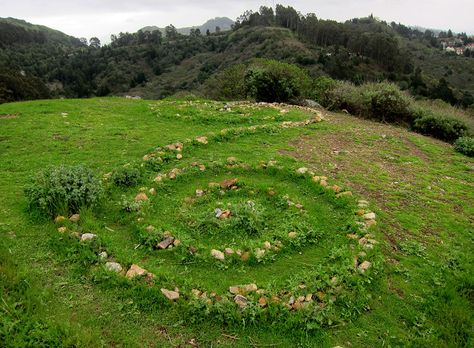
[
  {"x": 388, "y": 103},
  {"x": 63, "y": 190},
  {"x": 465, "y": 145},
  {"x": 126, "y": 176},
  {"x": 322, "y": 86},
  {"x": 441, "y": 127},
  {"x": 273, "y": 81}
]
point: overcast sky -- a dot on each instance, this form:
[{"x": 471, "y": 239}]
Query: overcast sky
[{"x": 87, "y": 18}]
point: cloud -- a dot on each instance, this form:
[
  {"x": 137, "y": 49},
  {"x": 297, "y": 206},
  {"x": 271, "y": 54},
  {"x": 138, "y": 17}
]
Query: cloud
[{"x": 101, "y": 18}]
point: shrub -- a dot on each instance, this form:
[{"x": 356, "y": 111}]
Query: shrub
[
  {"x": 465, "y": 145},
  {"x": 388, "y": 103},
  {"x": 126, "y": 176},
  {"x": 322, "y": 86},
  {"x": 441, "y": 127},
  {"x": 63, "y": 190},
  {"x": 273, "y": 81}
]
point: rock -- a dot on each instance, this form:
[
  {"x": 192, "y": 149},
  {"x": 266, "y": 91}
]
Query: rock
[
  {"x": 103, "y": 256},
  {"x": 152, "y": 191},
  {"x": 62, "y": 229},
  {"x": 196, "y": 292},
  {"x": 336, "y": 188},
  {"x": 232, "y": 160},
  {"x": 88, "y": 236},
  {"x": 228, "y": 183},
  {"x": 369, "y": 216},
  {"x": 158, "y": 178},
  {"x": 241, "y": 301},
  {"x": 75, "y": 218},
  {"x": 169, "y": 294},
  {"x": 262, "y": 302},
  {"x": 219, "y": 255},
  {"x": 309, "y": 298},
  {"x": 364, "y": 266},
  {"x": 202, "y": 140},
  {"x": 218, "y": 212},
  {"x": 250, "y": 287},
  {"x": 370, "y": 223},
  {"x": 267, "y": 245},
  {"x": 360, "y": 212},
  {"x": 176, "y": 242},
  {"x": 136, "y": 271},
  {"x": 202, "y": 167},
  {"x": 299, "y": 206},
  {"x": 59, "y": 218},
  {"x": 323, "y": 183},
  {"x": 302, "y": 170},
  {"x": 199, "y": 193},
  {"x": 345, "y": 194},
  {"x": 165, "y": 243},
  {"x": 292, "y": 235},
  {"x": 234, "y": 290},
  {"x": 192, "y": 250},
  {"x": 141, "y": 197},
  {"x": 362, "y": 204},
  {"x": 259, "y": 253},
  {"x": 225, "y": 215},
  {"x": 352, "y": 236},
  {"x": 150, "y": 228},
  {"x": 113, "y": 267},
  {"x": 245, "y": 256},
  {"x": 229, "y": 251},
  {"x": 179, "y": 156}
]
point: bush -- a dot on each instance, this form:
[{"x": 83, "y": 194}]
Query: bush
[
  {"x": 64, "y": 190},
  {"x": 465, "y": 145},
  {"x": 273, "y": 81},
  {"x": 388, "y": 103},
  {"x": 441, "y": 127},
  {"x": 322, "y": 86},
  {"x": 126, "y": 176}
]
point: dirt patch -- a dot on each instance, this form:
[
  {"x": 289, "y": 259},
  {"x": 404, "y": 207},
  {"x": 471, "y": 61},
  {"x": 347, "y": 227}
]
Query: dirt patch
[
  {"x": 60, "y": 137},
  {"x": 8, "y": 116},
  {"x": 414, "y": 149}
]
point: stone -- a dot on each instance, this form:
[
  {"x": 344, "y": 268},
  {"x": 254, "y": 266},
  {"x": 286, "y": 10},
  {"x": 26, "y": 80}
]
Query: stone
[
  {"x": 259, "y": 253},
  {"x": 345, "y": 194},
  {"x": 241, "y": 301},
  {"x": 370, "y": 223},
  {"x": 362, "y": 204},
  {"x": 88, "y": 236},
  {"x": 202, "y": 140},
  {"x": 136, "y": 271},
  {"x": 262, "y": 302},
  {"x": 250, "y": 287},
  {"x": 369, "y": 216},
  {"x": 234, "y": 290},
  {"x": 59, "y": 218},
  {"x": 158, "y": 178},
  {"x": 202, "y": 167},
  {"x": 228, "y": 251},
  {"x": 267, "y": 245},
  {"x": 141, "y": 197},
  {"x": 364, "y": 266},
  {"x": 232, "y": 160},
  {"x": 323, "y": 183},
  {"x": 176, "y": 242},
  {"x": 299, "y": 206},
  {"x": 245, "y": 256},
  {"x": 292, "y": 235},
  {"x": 169, "y": 294},
  {"x": 113, "y": 267},
  {"x": 199, "y": 193},
  {"x": 218, "y": 212},
  {"x": 225, "y": 215},
  {"x": 179, "y": 156},
  {"x": 219, "y": 255},
  {"x": 309, "y": 298},
  {"x": 196, "y": 292},
  {"x": 62, "y": 229},
  {"x": 352, "y": 236},
  {"x": 336, "y": 188},
  {"x": 302, "y": 170},
  {"x": 152, "y": 191},
  {"x": 103, "y": 256},
  {"x": 361, "y": 212},
  {"x": 165, "y": 243},
  {"x": 75, "y": 218},
  {"x": 150, "y": 228},
  {"x": 228, "y": 183}
]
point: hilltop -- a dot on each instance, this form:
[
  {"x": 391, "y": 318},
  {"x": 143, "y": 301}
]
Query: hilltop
[
  {"x": 223, "y": 23},
  {"x": 372, "y": 243}
]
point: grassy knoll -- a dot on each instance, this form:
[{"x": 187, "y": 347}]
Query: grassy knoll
[{"x": 56, "y": 291}]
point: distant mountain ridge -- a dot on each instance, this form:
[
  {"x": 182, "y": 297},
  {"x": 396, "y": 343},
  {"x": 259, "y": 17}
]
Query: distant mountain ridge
[{"x": 224, "y": 23}]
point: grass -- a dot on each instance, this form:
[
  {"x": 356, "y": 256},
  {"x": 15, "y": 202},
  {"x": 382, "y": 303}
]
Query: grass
[{"x": 418, "y": 293}]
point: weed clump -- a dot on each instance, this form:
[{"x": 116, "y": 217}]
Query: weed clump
[
  {"x": 63, "y": 190},
  {"x": 126, "y": 176},
  {"x": 465, "y": 145}
]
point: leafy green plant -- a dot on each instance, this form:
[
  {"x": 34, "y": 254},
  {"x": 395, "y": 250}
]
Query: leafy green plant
[
  {"x": 441, "y": 127},
  {"x": 465, "y": 145},
  {"x": 128, "y": 176},
  {"x": 64, "y": 190}
]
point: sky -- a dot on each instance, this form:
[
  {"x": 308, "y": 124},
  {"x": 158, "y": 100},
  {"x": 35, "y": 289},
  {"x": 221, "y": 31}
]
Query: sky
[{"x": 88, "y": 18}]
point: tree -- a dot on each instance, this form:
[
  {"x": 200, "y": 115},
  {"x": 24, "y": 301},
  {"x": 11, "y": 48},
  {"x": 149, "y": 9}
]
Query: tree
[
  {"x": 170, "y": 32},
  {"x": 94, "y": 42}
]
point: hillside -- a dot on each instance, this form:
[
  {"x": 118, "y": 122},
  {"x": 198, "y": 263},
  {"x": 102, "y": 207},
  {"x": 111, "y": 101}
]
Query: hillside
[
  {"x": 223, "y": 23},
  {"x": 389, "y": 263}
]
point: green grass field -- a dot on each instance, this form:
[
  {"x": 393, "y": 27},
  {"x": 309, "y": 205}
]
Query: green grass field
[{"x": 56, "y": 290}]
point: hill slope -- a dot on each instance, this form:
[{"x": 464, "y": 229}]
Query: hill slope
[
  {"x": 223, "y": 23},
  {"x": 417, "y": 290}
]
